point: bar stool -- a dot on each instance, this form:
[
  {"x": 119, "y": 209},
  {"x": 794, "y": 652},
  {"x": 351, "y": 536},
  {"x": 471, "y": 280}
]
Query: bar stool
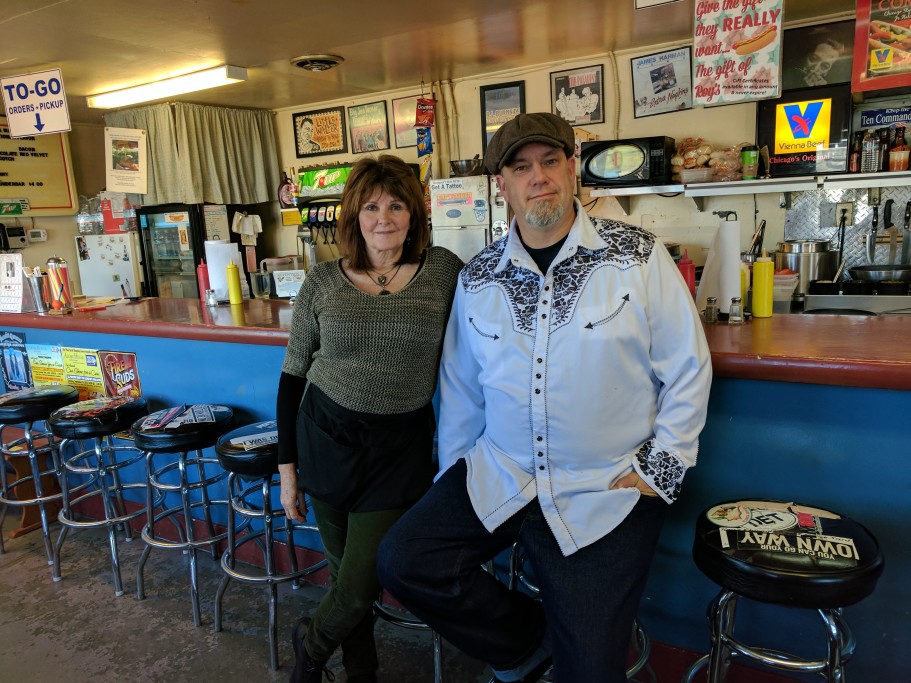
[
  {"x": 519, "y": 576},
  {"x": 785, "y": 554},
  {"x": 250, "y": 455},
  {"x": 97, "y": 419},
  {"x": 38, "y": 487},
  {"x": 181, "y": 430},
  {"x": 398, "y": 617}
]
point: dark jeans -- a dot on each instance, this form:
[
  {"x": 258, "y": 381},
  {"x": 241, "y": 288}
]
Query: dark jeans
[
  {"x": 345, "y": 614},
  {"x": 431, "y": 562}
]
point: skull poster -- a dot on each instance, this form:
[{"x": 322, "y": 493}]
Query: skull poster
[{"x": 817, "y": 55}]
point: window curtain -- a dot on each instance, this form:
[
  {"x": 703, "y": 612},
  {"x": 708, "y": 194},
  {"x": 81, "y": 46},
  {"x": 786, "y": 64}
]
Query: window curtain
[{"x": 205, "y": 154}]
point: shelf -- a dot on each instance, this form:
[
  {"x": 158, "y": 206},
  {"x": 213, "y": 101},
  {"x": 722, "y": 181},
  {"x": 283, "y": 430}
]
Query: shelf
[
  {"x": 759, "y": 186},
  {"x": 863, "y": 181},
  {"x": 623, "y": 194}
]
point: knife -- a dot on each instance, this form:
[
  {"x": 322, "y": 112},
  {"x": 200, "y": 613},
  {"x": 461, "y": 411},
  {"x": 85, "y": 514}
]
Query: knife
[
  {"x": 906, "y": 235},
  {"x": 871, "y": 237},
  {"x": 891, "y": 229}
]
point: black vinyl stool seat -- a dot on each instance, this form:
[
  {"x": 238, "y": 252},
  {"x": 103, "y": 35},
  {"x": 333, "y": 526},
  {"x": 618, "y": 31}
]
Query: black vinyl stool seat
[
  {"x": 97, "y": 420},
  {"x": 519, "y": 576},
  {"x": 250, "y": 455},
  {"x": 181, "y": 430},
  {"x": 27, "y": 407},
  {"x": 785, "y": 554}
]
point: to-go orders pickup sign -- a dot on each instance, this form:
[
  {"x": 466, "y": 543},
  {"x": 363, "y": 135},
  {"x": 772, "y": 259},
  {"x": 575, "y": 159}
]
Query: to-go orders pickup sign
[{"x": 35, "y": 104}]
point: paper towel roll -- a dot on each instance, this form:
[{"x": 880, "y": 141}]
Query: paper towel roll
[{"x": 721, "y": 274}]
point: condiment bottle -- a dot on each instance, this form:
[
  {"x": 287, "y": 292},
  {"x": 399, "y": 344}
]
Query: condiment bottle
[
  {"x": 763, "y": 286},
  {"x": 883, "y": 149},
  {"x": 202, "y": 279},
  {"x": 856, "y": 152},
  {"x": 711, "y": 310},
  {"x": 735, "y": 315},
  {"x": 233, "y": 276},
  {"x": 688, "y": 270}
]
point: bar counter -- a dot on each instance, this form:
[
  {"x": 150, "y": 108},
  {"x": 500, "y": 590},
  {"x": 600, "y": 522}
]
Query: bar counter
[
  {"x": 837, "y": 350},
  {"x": 809, "y": 408}
]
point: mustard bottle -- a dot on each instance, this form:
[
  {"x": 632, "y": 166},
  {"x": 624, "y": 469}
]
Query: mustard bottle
[
  {"x": 763, "y": 286},
  {"x": 233, "y": 276}
]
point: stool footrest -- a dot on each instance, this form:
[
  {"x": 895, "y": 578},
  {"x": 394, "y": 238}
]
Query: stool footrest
[
  {"x": 262, "y": 577},
  {"x": 125, "y": 517}
]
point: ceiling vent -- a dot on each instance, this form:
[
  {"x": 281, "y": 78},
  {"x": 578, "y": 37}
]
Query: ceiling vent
[{"x": 317, "y": 62}]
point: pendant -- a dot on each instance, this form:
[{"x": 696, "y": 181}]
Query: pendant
[
  {"x": 381, "y": 280},
  {"x": 383, "y": 292}
]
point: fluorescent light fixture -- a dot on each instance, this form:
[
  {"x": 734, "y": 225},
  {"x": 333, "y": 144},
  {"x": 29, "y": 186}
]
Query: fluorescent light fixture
[{"x": 199, "y": 80}]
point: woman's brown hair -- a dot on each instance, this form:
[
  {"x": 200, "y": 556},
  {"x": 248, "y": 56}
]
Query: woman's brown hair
[{"x": 389, "y": 174}]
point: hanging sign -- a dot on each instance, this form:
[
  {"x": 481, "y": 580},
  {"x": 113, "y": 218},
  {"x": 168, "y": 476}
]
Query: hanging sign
[
  {"x": 35, "y": 103},
  {"x": 882, "y": 46},
  {"x": 736, "y": 51}
]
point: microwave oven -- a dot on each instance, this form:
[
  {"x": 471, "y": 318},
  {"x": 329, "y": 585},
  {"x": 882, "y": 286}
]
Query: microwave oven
[{"x": 627, "y": 163}]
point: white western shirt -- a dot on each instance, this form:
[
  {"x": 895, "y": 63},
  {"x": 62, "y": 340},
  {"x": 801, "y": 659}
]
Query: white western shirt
[{"x": 555, "y": 385}]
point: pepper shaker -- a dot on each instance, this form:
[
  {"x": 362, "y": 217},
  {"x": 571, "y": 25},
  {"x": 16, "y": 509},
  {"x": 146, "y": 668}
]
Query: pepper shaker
[{"x": 711, "y": 310}]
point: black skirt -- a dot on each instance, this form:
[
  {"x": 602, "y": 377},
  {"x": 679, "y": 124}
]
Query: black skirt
[{"x": 362, "y": 462}]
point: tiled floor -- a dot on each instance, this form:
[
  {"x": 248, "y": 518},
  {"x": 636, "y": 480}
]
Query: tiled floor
[{"x": 77, "y": 631}]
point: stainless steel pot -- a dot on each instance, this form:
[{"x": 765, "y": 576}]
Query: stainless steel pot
[
  {"x": 810, "y": 259},
  {"x": 881, "y": 273}
]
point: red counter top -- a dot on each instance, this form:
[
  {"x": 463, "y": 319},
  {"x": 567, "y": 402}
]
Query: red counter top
[
  {"x": 253, "y": 322},
  {"x": 839, "y": 350}
]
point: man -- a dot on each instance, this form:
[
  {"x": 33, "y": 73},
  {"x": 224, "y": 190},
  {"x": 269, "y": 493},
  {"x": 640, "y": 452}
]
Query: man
[
  {"x": 305, "y": 142},
  {"x": 574, "y": 382}
]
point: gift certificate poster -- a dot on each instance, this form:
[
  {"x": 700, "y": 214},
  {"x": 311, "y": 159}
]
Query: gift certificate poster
[{"x": 736, "y": 51}]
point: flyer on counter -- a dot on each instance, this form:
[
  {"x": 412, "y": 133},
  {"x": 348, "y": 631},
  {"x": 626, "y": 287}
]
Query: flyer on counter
[
  {"x": 121, "y": 373},
  {"x": 15, "y": 364},
  {"x": 127, "y": 160},
  {"x": 83, "y": 372},
  {"x": 736, "y": 51},
  {"x": 882, "y": 46},
  {"x": 47, "y": 364}
]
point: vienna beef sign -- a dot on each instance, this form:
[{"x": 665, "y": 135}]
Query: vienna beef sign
[
  {"x": 736, "y": 51},
  {"x": 882, "y": 45}
]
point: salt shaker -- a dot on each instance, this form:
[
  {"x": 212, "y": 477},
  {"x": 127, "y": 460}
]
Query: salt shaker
[
  {"x": 210, "y": 298},
  {"x": 711, "y": 310},
  {"x": 735, "y": 315}
]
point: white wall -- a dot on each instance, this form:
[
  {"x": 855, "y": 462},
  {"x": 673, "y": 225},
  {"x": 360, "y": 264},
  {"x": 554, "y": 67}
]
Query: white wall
[{"x": 674, "y": 219}]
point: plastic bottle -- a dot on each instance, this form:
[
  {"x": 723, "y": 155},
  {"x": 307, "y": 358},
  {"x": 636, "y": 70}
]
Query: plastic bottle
[
  {"x": 233, "y": 276},
  {"x": 202, "y": 279},
  {"x": 869, "y": 161},
  {"x": 763, "y": 286},
  {"x": 688, "y": 270}
]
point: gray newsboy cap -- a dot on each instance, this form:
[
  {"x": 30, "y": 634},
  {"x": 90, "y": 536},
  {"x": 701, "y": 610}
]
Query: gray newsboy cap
[{"x": 525, "y": 128}]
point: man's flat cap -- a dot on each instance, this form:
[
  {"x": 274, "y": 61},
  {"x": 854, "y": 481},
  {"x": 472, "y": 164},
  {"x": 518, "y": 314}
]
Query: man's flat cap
[{"x": 537, "y": 127}]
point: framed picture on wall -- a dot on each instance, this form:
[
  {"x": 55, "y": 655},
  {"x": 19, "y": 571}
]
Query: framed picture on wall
[
  {"x": 577, "y": 94},
  {"x": 321, "y": 131},
  {"x": 662, "y": 82},
  {"x": 812, "y": 56},
  {"x": 499, "y": 104},
  {"x": 403, "y": 117},
  {"x": 369, "y": 127}
]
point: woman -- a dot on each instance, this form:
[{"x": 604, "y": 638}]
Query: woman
[{"x": 355, "y": 421}]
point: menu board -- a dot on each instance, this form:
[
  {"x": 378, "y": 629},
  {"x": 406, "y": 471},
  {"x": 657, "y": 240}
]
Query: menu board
[
  {"x": 736, "y": 51},
  {"x": 36, "y": 175}
]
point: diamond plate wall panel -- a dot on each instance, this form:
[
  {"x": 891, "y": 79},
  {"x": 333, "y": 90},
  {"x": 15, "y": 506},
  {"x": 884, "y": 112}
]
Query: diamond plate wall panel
[{"x": 812, "y": 217}]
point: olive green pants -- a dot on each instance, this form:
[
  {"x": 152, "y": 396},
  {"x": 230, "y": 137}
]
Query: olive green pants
[{"x": 345, "y": 614}]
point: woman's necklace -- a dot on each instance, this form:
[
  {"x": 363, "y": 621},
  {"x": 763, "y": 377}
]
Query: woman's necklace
[{"x": 381, "y": 280}]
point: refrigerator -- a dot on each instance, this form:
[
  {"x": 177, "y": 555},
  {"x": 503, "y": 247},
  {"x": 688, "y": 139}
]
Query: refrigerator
[
  {"x": 110, "y": 264},
  {"x": 460, "y": 214},
  {"x": 173, "y": 243}
]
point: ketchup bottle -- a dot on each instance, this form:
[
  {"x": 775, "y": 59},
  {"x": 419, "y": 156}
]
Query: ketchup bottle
[
  {"x": 688, "y": 270},
  {"x": 202, "y": 279}
]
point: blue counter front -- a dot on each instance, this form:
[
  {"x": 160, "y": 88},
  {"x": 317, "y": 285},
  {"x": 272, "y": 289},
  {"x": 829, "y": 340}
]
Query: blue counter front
[{"x": 812, "y": 409}]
